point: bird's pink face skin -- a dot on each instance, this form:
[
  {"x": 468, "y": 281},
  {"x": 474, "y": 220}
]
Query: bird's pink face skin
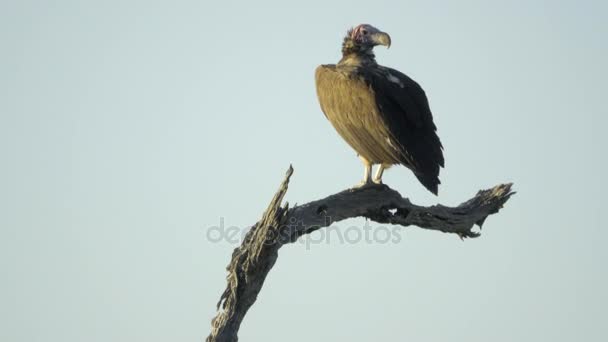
[
  {"x": 366, "y": 35},
  {"x": 362, "y": 33}
]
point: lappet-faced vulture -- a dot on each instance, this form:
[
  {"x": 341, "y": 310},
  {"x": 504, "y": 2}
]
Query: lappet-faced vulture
[{"x": 381, "y": 113}]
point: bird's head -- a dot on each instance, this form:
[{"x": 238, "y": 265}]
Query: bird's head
[{"x": 363, "y": 38}]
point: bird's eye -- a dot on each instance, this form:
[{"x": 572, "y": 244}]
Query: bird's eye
[{"x": 364, "y": 32}]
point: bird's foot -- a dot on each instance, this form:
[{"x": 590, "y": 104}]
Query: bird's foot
[
  {"x": 363, "y": 184},
  {"x": 377, "y": 181}
]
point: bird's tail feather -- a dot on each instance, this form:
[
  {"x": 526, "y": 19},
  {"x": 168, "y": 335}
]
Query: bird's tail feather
[{"x": 431, "y": 183}]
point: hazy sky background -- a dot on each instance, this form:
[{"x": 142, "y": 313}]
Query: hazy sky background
[{"x": 128, "y": 128}]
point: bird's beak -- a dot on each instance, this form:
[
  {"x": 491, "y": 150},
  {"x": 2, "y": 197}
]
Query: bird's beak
[{"x": 382, "y": 38}]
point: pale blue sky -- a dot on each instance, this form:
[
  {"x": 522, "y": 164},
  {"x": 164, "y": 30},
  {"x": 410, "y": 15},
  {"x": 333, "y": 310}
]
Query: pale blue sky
[{"x": 127, "y": 128}]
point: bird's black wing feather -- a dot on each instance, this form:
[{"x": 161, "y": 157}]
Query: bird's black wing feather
[{"x": 405, "y": 109}]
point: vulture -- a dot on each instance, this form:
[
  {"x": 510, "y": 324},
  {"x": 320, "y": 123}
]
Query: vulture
[{"x": 380, "y": 112}]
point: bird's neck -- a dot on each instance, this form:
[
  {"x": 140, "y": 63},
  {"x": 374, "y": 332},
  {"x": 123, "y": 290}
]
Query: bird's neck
[
  {"x": 356, "y": 55},
  {"x": 357, "y": 59}
]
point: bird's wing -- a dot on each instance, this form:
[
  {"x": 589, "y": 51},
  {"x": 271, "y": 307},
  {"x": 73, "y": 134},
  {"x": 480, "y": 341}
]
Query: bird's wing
[{"x": 405, "y": 108}]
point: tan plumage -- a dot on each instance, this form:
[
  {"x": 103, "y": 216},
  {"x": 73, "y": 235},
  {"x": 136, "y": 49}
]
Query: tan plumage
[{"x": 344, "y": 105}]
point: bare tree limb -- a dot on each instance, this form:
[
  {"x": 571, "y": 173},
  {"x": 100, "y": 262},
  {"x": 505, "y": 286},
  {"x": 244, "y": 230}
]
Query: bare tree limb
[{"x": 280, "y": 225}]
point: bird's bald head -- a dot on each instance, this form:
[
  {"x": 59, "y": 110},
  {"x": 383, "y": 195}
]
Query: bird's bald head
[{"x": 367, "y": 36}]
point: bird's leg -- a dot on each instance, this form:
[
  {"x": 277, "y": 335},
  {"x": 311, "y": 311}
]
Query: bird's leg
[
  {"x": 367, "y": 174},
  {"x": 378, "y": 177}
]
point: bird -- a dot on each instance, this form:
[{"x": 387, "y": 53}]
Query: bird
[{"x": 383, "y": 114}]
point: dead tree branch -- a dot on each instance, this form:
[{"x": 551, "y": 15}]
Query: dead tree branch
[{"x": 280, "y": 225}]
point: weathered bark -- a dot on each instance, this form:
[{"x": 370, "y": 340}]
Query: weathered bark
[{"x": 280, "y": 225}]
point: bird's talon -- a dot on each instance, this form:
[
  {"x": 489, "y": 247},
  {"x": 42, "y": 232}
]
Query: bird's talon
[{"x": 362, "y": 184}]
